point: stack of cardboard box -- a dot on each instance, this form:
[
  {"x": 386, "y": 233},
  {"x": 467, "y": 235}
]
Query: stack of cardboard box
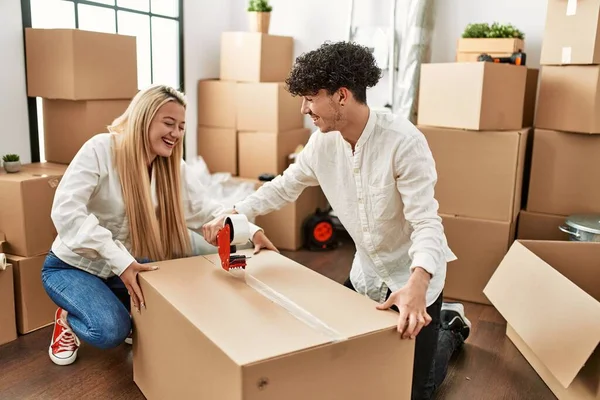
[
  {"x": 248, "y": 124},
  {"x": 564, "y": 167},
  {"x": 86, "y": 80},
  {"x": 548, "y": 290},
  {"x": 25, "y": 205},
  {"x": 472, "y": 116}
]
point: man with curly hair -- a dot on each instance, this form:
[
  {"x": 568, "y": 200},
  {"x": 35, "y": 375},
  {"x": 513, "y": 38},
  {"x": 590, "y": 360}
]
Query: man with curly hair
[{"x": 378, "y": 174}]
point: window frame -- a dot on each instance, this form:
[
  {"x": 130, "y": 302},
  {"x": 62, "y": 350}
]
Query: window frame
[{"x": 32, "y": 108}]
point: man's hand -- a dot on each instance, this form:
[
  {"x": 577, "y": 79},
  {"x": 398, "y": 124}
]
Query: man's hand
[
  {"x": 411, "y": 304},
  {"x": 261, "y": 241},
  {"x": 210, "y": 229},
  {"x": 129, "y": 278}
]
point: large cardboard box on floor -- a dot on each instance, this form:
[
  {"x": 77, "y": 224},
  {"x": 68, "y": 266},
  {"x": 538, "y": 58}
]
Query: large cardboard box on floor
[
  {"x": 74, "y": 64},
  {"x": 549, "y": 294},
  {"x": 34, "y": 308},
  {"x": 564, "y": 173},
  {"x": 480, "y": 174},
  {"x": 69, "y": 124},
  {"x": 267, "y": 107},
  {"x": 217, "y": 103},
  {"x": 25, "y": 204},
  {"x": 219, "y": 149},
  {"x": 571, "y": 35},
  {"x": 569, "y": 99},
  {"x": 479, "y": 246},
  {"x": 228, "y": 341},
  {"x": 267, "y": 152},
  {"x": 539, "y": 226},
  {"x": 477, "y": 96},
  {"x": 255, "y": 57}
]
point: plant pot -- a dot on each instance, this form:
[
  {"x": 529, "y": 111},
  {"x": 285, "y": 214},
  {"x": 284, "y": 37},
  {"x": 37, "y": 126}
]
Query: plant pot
[
  {"x": 259, "y": 21},
  {"x": 582, "y": 228},
  {"x": 12, "y": 166}
]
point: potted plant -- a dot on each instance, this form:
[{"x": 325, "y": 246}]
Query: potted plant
[
  {"x": 259, "y": 14},
  {"x": 12, "y": 163},
  {"x": 498, "y": 40}
]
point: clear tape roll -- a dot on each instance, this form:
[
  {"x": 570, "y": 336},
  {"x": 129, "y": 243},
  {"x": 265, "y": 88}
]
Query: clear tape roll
[
  {"x": 3, "y": 263},
  {"x": 240, "y": 228}
]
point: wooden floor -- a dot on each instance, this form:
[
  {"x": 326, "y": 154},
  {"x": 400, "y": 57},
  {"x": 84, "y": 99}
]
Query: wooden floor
[{"x": 489, "y": 367}]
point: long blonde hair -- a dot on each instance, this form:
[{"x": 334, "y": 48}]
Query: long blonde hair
[{"x": 156, "y": 234}]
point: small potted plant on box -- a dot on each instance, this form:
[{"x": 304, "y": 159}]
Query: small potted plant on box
[
  {"x": 12, "y": 162},
  {"x": 259, "y": 14},
  {"x": 499, "y": 40}
]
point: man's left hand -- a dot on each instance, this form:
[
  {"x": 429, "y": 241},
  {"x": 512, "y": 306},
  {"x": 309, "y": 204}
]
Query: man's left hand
[
  {"x": 261, "y": 241},
  {"x": 411, "y": 304}
]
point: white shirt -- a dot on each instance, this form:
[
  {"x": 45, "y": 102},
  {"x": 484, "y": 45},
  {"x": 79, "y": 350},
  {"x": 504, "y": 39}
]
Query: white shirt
[
  {"x": 383, "y": 194},
  {"x": 89, "y": 213}
]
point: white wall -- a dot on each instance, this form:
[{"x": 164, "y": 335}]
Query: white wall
[
  {"x": 452, "y": 16},
  {"x": 203, "y": 22},
  {"x": 14, "y": 135}
]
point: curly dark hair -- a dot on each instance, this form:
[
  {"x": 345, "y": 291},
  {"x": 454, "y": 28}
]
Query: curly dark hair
[{"x": 332, "y": 66}]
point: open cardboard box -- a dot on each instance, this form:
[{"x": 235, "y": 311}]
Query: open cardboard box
[
  {"x": 549, "y": 294},
  {"x": 206, "y": 334}
]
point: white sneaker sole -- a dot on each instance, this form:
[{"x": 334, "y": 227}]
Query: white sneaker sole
[
  {"x": 62, "y": 361},
  {"x": 460, "y": 309}
]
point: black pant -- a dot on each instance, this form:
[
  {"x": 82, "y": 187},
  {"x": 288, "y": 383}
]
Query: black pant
[{"x": 434, "y": 346}]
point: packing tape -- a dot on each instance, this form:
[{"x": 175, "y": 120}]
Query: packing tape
[
  {"x": 571, "y": 7},
  {"x": 3, "y": 264},
  {"x": 566, "y": 55},
  {"x": 240, "y": 228},
  {"x": 294, "y": 309}
]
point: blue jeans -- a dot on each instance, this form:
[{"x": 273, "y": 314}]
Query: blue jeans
[{"x": 98, "y": 309}]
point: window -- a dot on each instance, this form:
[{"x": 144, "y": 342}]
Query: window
[{"x": 157, "y": 25}]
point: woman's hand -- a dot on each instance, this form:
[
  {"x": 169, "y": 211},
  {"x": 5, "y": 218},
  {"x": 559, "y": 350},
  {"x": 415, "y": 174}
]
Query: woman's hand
[
  {"x": 129, "y": 278},
  {"x": 261, "y": 241}
]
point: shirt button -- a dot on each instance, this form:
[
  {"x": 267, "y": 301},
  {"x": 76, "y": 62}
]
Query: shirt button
[
  {"x": 356, "y": 171},
  {"x": 365, "y": 229}
]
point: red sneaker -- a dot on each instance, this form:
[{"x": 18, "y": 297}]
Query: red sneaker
[{"x": 64, "y": 345}]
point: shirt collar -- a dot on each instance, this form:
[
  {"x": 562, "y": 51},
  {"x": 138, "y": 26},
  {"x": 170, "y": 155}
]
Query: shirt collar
[{"x": 369, "y": 127}]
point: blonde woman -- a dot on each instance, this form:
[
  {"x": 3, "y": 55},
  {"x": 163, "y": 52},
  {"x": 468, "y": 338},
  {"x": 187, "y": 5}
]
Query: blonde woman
[{"x": 126, "y": 198}]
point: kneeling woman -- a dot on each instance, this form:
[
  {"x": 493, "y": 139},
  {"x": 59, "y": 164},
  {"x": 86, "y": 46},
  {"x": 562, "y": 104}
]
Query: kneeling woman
[{"x": 126, "y": 198}]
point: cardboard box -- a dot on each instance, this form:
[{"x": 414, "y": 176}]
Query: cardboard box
[
  {"x": 531, "y": 88},
  {"x": 69, "y": 124},
  {"x": 564, "y": 173},
  {"x": 571, "y": 35},
  {"x": 217, "y": 103},
  {"x": 34, "y": 308},
  {"x": 74, "y": 64},
  {"x": 548, "y": 292},
  {"x": 477, "y": 96},
  {"x": 489, "y": 45},
  {"x": 284, "y": 226},
  {"x": 25, "y": 204},
  {"x": 218, "y": 148},
  {"x": 568, "y": 99},
  {"x": 255, "y": 57},
  {"x": 261, "y": 152},
  {"x": 267, "y": 107},
  {"x": 538, "y": 226},
  {"x": 229, "y": 341},
  {"x": 480, "y": 174},
  {"x": 479, "y": 246},
  {"x": 8, "y": 326}
]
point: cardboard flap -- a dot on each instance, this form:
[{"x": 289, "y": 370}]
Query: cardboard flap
[{"x": 559, "y": 321}]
